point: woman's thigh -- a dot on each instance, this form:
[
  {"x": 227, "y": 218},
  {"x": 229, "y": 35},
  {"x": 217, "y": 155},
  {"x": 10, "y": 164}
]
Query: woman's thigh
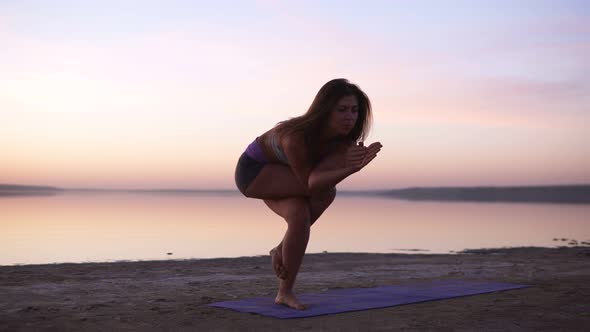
[{"x": 275, "y": 181}]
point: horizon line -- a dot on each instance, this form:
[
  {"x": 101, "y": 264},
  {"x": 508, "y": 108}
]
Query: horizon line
[{"x": 51, "y": 187}]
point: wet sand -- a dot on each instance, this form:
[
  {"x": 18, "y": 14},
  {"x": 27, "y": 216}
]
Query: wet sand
[{"x": 173, "y": 295}]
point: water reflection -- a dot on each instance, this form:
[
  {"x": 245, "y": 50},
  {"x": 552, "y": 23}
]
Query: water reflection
[{"x": 89, "y": 227}]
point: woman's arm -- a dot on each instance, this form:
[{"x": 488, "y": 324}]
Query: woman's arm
[
  {"x": 331, "y": 170},
  {"x": 314, "y": 178},
  {"x": 347, "y": 159},
  {"x": 294, "y": 146},
  {"x": 321, "y": 180}
]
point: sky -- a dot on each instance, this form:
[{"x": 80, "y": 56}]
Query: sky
[{"x": 168, "y": 94}]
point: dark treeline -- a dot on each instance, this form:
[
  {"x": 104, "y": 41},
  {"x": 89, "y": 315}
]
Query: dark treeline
[
  {"x": 20, "y": 190},
  {"x": 541, "y": 194}
]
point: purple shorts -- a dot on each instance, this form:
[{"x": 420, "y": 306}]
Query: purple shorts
[{"x": 249, "y": 165}]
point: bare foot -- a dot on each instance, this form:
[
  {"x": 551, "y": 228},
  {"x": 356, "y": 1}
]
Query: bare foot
[
  {"x": 289, "y": 299},
  {"x": 277, "y": 263}
]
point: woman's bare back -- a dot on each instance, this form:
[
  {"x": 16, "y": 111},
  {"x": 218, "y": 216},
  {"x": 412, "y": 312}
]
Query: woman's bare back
[{"x": 322, "y": 151}]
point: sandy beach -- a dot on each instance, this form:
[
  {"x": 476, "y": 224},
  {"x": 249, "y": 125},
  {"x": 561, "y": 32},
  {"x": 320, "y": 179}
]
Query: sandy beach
[{"x": 173, "y": 295}]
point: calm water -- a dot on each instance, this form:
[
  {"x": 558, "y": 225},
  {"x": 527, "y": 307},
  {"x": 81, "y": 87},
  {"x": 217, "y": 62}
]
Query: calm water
[{"x": 109, "y": 227}]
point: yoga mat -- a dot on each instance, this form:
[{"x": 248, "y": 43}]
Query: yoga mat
[{"x": 355, "y": 299}]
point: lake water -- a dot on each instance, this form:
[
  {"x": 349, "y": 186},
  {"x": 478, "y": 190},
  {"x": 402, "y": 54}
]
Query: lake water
[{"x": 109, "y": 227}]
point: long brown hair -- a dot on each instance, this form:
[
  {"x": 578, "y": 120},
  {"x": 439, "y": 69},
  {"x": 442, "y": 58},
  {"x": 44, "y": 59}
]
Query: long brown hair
[{"x": 318, "y": 113}]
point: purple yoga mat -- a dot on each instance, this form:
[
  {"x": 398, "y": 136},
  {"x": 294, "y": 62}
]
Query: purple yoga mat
[{"x": 355, "y": 299}]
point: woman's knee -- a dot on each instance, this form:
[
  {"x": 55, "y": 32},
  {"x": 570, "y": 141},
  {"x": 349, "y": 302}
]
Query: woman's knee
[
  {"x": 332, "y": 194},
  {"x": 298, "y": 212},
  {"x": 327, "y": 196}
]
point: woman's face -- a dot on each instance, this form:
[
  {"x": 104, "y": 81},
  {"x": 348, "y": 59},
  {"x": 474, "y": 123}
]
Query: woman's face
[{"x": 343, "y": 117}]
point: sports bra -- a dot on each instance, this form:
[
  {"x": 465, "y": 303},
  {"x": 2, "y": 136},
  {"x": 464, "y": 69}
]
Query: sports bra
[{"x": 278, "y": 151}]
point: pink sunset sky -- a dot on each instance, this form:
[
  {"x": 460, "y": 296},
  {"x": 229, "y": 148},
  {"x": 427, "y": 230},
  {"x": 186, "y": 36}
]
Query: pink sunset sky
[{"x": 167, "y": 94}]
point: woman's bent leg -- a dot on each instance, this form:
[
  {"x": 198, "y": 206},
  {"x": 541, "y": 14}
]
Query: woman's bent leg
[
  {"x": 317, "y": 205},
  {"x": 275, "y": 181},
  {"x": 296, "y": 212}
]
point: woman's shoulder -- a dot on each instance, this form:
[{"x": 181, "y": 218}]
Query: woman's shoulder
[{"x": 291, "y": 138}]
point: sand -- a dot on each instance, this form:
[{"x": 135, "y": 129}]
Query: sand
[{"x": 173, "y": 295}]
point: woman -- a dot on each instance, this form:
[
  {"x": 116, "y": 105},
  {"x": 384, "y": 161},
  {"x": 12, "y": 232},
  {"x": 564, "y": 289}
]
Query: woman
[{"x": 295, "y": 166}]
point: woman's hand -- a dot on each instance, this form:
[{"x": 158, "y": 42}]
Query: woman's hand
[{"x": 359, "y": 156}]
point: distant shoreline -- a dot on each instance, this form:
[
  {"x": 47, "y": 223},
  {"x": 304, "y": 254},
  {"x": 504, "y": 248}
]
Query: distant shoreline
[
  {"x": 578, "y": 194},
  {"x": 537, "y": 194},
  {"x": 20, "y": 190}
]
